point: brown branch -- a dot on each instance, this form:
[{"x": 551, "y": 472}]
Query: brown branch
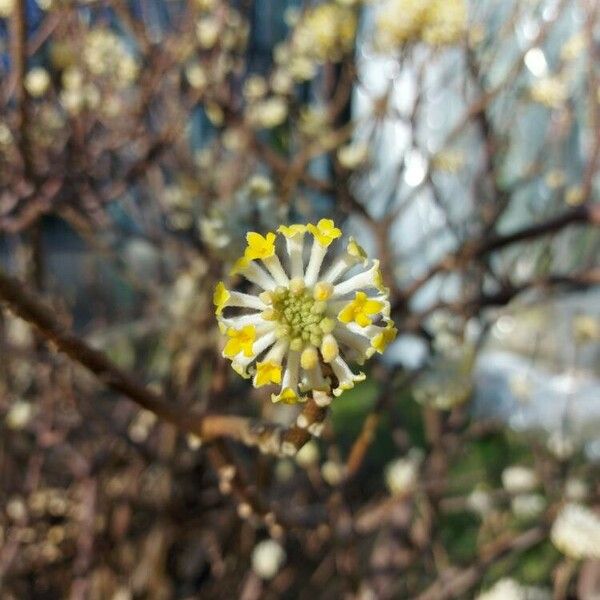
[
  {"x": 453, "y": 585},
  {"x": 587, "y": 213},
  {"x": 268, "y": 437}
]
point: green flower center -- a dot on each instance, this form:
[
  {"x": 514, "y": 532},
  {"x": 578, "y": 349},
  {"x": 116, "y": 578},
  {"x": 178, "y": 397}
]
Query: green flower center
[{"x": 300, "y": 317}]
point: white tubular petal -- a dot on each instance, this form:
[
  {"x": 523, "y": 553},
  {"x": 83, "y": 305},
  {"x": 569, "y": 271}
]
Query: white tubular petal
[
  {"x": 274, "y": 267},
  {"x": 353, "y": 340},
  {"x": 291, "y": 374},
  {"x": 295, "y": 247},
  {"x": 252, "y": 272},
  {"x": 241, "y": 362},
  {"x": 337, "y": 269},
  {"x": 240, "y": 321},
  {"x": 315, "y": 380},
  {"x": 245, "y": 301},
  {"x": 366, "y": 279},
  {"x": 345, "y": 376},
  {"x": 277, "y": 352},
  {"x": 317, "y": 254}
]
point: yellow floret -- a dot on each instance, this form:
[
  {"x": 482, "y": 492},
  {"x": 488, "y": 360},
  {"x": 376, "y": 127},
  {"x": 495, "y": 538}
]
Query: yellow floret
[
  {"x": 359, "y": 310},
  {"x": 240, "y": 340},
  {"x": 267, "y": 372},
  {"x": 259, "y": 246},
  {"x": 220, "y": 297},
  {"x": 324, "y": 231}
]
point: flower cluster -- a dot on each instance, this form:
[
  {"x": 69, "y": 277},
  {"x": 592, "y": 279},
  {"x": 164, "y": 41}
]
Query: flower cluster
[
  {"x": 323, "y": 33},
  {"x": 576, "y": 532},
  {"x": 435, "y": 22},
  {"x": 306, "y": 318}
]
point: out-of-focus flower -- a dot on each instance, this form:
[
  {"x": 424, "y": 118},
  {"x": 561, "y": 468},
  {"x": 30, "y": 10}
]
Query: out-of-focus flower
[
  {"x": 576, "y": 489},
  {"x": 480, "y": 501},
  {"x": 255, "y": 88},
  {"x": 353, "y": 155},
  {"x": 510, "y": 589},
  {"x": 517, "y": 479},
  {"x": 6, "y": 136},
  {"x": 6, "y": 8},
  {"x": 436, "y": 22},
  {"x": 214, "y": 113},
  {"x": 207, "y": 31},
  {"x": 105, "y": 54},
  {"x": 447, "y": 382},
  {"x": 268, "y": 557},
  {"x": 549, "y": 91},
  {"x": 325, "y": 32},
  {"x": 305, "y": 317},
  {"x": 576, "y": 532},
  {"x": 450, "y": 161},
  {"x": 19, "y": 414},
  {"x": 573, "y": 47},
  {"x": 561, "y": 445},
  {"x": 528, "y": 506},
  {"x": 281, "y": 82},
  {"x": 308, "y": 455},
  {"x": 268, "y": 113},
  {"x": 196, "y": 75},
  {"x": 332, "y": 472},
  {"x": 555, "y": 178},
  {"x": 37, "y": 81},
  {"x": 586, "y": 328},
  {"x": 446, "y": 22},
  {"x": 574, "y": 195},
  {"x": 402, "y": 474}
]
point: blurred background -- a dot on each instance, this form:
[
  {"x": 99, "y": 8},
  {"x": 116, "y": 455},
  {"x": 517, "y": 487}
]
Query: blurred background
[{"x": 458, "y": 141}]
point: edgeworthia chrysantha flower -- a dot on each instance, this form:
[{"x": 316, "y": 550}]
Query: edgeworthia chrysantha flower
[{"x": 308, "y": 318}]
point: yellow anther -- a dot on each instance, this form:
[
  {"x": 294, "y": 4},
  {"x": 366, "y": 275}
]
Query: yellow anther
[
  {"x": 329, "y": 348},
  {"x": 322, "y": 290},
  {"x": 266, "y": 297},
  {"x": 309, "y": 358},
  {"x": 269, "y": 314},
  {"x": 327, "y": 325},
  {"x": 297, "y": 286}
]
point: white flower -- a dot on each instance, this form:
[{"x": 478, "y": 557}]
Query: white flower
[
  {"x": 480, "y": 502},
  {"x": 267, "y": 558},
  {"x": 505, "y": 589},
  {"x": 6, "y": 8},
  {"x": 549, "y": 91},
  {"x": 306, "y": 318},
  {"x": 518, "y": 479},
  {"x": 268, "y": 113},
  {"x": 308, "y": 455},
  {"x": 37, "y": 81},
  {"x": 576, "y": 489},
  {"x": 576, "y": 532},
  {"x": 353, "y": 155},
  {"x": 402, "y": 474},
  {"x": 19, "y": 415},
  {"x": 528, "y": 506},
  {"x": 509, "y": 589}
]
